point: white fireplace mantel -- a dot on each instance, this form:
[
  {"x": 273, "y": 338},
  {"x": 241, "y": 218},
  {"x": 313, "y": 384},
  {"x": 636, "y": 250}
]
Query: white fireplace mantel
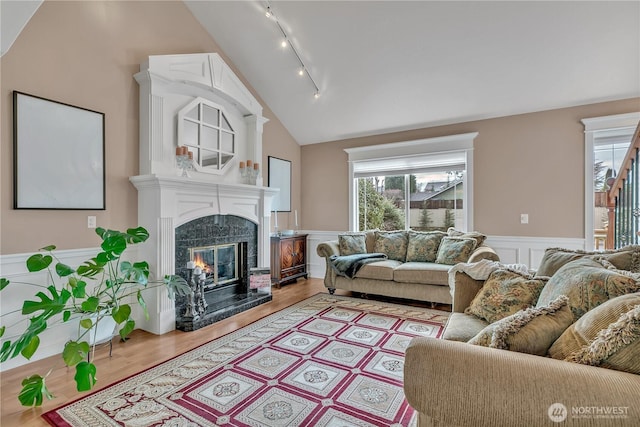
[{"x": 166, "y": 199}]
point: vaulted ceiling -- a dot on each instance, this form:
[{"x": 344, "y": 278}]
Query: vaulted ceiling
[{"x": 384, "y": 66}]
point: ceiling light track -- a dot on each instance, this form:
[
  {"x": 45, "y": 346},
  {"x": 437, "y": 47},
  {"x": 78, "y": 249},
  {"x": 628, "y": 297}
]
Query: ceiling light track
[{"x": 303, "y": 70}]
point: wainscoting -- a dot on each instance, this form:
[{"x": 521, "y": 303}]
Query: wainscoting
[{"x": 512, "y": 250}]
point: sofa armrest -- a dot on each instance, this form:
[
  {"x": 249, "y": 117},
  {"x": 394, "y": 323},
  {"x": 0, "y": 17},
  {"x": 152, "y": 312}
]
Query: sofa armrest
[
  {"x": 326, "y": 249},
  {"x": 464, "y": 289},
  {"x": 453, "y": 383},
  {"x": 483, "y": 252}
]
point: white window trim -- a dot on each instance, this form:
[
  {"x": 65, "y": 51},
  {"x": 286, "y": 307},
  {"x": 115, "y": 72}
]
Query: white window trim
[
  {"x": 594, "y": 129},
  {"x": 445, "y": 144}
]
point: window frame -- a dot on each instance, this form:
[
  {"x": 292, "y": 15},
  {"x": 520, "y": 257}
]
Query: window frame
[{"x": 408, "y": 150}]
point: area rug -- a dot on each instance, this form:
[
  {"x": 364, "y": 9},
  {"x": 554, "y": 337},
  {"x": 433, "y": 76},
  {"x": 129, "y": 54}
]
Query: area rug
[{"x": 327, "y": 361}]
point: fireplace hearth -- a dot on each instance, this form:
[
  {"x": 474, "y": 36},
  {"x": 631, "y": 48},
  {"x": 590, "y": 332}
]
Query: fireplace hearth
[{"x": 215, "y": 254}]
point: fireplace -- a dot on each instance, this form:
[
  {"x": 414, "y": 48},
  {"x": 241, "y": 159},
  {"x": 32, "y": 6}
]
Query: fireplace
[
  {"x": 215, "y": 255},
  {"x": 188, "y": 213}
]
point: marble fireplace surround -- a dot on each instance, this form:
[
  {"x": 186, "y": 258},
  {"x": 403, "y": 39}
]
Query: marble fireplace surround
[{"x": 166, "y": 199}]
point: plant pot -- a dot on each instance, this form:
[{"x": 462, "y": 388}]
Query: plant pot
[{"x": 100, "y": 332}]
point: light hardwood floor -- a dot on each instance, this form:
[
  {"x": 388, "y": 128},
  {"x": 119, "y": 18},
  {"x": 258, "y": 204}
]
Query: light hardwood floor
[{"x": 140, "y": 352}]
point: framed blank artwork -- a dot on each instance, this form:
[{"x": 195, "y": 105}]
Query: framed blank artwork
[
  {"x": 58, "y": 155},
  {"x": 280, "y": 177}
]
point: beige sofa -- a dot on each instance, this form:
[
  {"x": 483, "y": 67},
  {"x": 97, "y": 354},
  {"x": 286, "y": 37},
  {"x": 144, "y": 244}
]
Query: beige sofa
[
  {"x": 421, "y": 281},
  {"x": 453, "y": 383}
]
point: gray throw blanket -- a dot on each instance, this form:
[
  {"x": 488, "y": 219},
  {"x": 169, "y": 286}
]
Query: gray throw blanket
[{"x": 348, "y": 265}]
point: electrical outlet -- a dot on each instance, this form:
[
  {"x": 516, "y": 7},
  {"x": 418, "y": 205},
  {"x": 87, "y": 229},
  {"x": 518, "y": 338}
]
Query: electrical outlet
[
  {"x": 524, "y": 218},
  {"x": 91, "y": 221}
]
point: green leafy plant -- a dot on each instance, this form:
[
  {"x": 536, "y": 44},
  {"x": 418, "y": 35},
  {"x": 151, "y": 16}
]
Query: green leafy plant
[{"x": 101, "y": 287}]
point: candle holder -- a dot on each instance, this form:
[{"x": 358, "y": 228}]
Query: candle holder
[
  {"x": 250, "y": 172},
  {"x": 185, "y": 162},
  {"x": 196, "y": 303}
]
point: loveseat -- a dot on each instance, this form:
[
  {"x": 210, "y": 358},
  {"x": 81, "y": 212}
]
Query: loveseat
[
  {"x": 583, "y": 332},
  {"x": 415, "y": 264}
]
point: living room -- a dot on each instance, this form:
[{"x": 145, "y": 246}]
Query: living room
[{"x": 524, "y": 161}]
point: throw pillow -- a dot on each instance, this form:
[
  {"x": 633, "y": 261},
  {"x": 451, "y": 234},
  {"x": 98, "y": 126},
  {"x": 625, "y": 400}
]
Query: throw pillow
[
  {"x": 392, "y": 243},
  {"x": 453, "y": 250},
  {"x": 531, "y": 331},
  {"x": 505, "y": 292},
  {"x": 588, "y": 326},
  {"x": 626, "y": 258},
  {"x": 616, "y": 347},
  {"x": 423, "y": 246},
  {"x": 479, "y": 237},
  {"x": 587, "y": 283},
  {"x": 352, "y": 243}
]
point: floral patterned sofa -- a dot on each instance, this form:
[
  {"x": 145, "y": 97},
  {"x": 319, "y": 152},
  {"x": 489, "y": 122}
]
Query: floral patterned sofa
[
  {"x": 414, "y": 264},
  {"x": 559, "y": 346}
]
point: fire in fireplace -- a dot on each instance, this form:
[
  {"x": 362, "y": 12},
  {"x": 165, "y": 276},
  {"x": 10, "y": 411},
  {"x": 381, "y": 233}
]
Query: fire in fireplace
[{"x": 218, "y": 262}]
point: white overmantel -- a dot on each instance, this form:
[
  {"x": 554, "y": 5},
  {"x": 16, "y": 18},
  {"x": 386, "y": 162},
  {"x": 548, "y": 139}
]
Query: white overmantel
[{"x": 166, "y": 199}]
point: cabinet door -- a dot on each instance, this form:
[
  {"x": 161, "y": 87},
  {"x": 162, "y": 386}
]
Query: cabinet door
[
  {"x": 287, "y": 254},
  {"x": 299, "y": 251}
]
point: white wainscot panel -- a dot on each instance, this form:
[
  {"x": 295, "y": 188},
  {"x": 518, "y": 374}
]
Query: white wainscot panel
[{"x": 14, "y": 269}]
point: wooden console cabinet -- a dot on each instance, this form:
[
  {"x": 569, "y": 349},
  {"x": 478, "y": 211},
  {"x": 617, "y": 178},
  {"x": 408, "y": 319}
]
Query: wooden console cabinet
[{"x": 288, "y": 258}]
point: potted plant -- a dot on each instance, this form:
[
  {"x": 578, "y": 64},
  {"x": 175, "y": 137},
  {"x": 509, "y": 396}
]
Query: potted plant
[{"x": 101, "y": 288}]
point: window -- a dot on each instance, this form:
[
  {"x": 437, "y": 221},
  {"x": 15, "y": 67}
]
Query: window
[
  {"x": 204, "y": 128},
  {"x": 421, "y": 185},
  {"x": 606, "y": 142}
]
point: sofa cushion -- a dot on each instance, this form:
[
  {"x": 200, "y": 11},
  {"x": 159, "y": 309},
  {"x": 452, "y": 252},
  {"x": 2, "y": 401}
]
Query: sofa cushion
[
  {"x": 479, "y": 237},
  {"x": 587, "y": 283},
  {"x": 462, "y": 327},
  {"x": 423, "y": 246},
  {"x": 582, "y": 332},
  {"x": 352, "y": 243},
  {"x": 392, "y": 243},
  {"x": 504, "y": 293},
  {"x": 379, "y": 270},
  {"x": 531, "y": 330},
  {"x": 422, "y": 272},
  {"x": 616, "y": 347},
  {"x": 453, "y": 250},
  {"x": 626, "y": 258}
]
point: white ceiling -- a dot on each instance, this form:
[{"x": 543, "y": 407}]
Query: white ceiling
[{"x": 385, "y": 66}]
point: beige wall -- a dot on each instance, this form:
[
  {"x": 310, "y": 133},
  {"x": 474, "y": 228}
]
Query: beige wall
[
  {"x": 529, "y": 163},
  {"x": 85, "y": 54}
]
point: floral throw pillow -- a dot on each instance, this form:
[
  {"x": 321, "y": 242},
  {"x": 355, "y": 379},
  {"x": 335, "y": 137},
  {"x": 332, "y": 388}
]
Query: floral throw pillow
[
  {"x": 453, "y": 250},
  {"x": 350, "y": 244},
  {"x": 504, "y": 293},
  {"x": 392, "y": 243},
  {"x": 531, "y": 330},
  {"x": 423, "y": 246},
  {"x": 588, "y": 283}
]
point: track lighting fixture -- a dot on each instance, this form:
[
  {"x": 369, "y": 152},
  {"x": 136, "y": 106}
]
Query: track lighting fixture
[{"x": 286, "y": 41}]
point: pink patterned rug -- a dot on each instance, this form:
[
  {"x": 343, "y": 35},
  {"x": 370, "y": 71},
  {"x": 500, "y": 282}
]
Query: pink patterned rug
[{"x": 326, "y": 361}]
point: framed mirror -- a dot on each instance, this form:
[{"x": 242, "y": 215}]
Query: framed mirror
[
  {"x": 58, "y": 155},
  {"x": 280, "y": 177}
]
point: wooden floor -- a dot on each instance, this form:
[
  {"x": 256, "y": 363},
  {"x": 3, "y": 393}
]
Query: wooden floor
[{"x": 140, "y": 352}]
